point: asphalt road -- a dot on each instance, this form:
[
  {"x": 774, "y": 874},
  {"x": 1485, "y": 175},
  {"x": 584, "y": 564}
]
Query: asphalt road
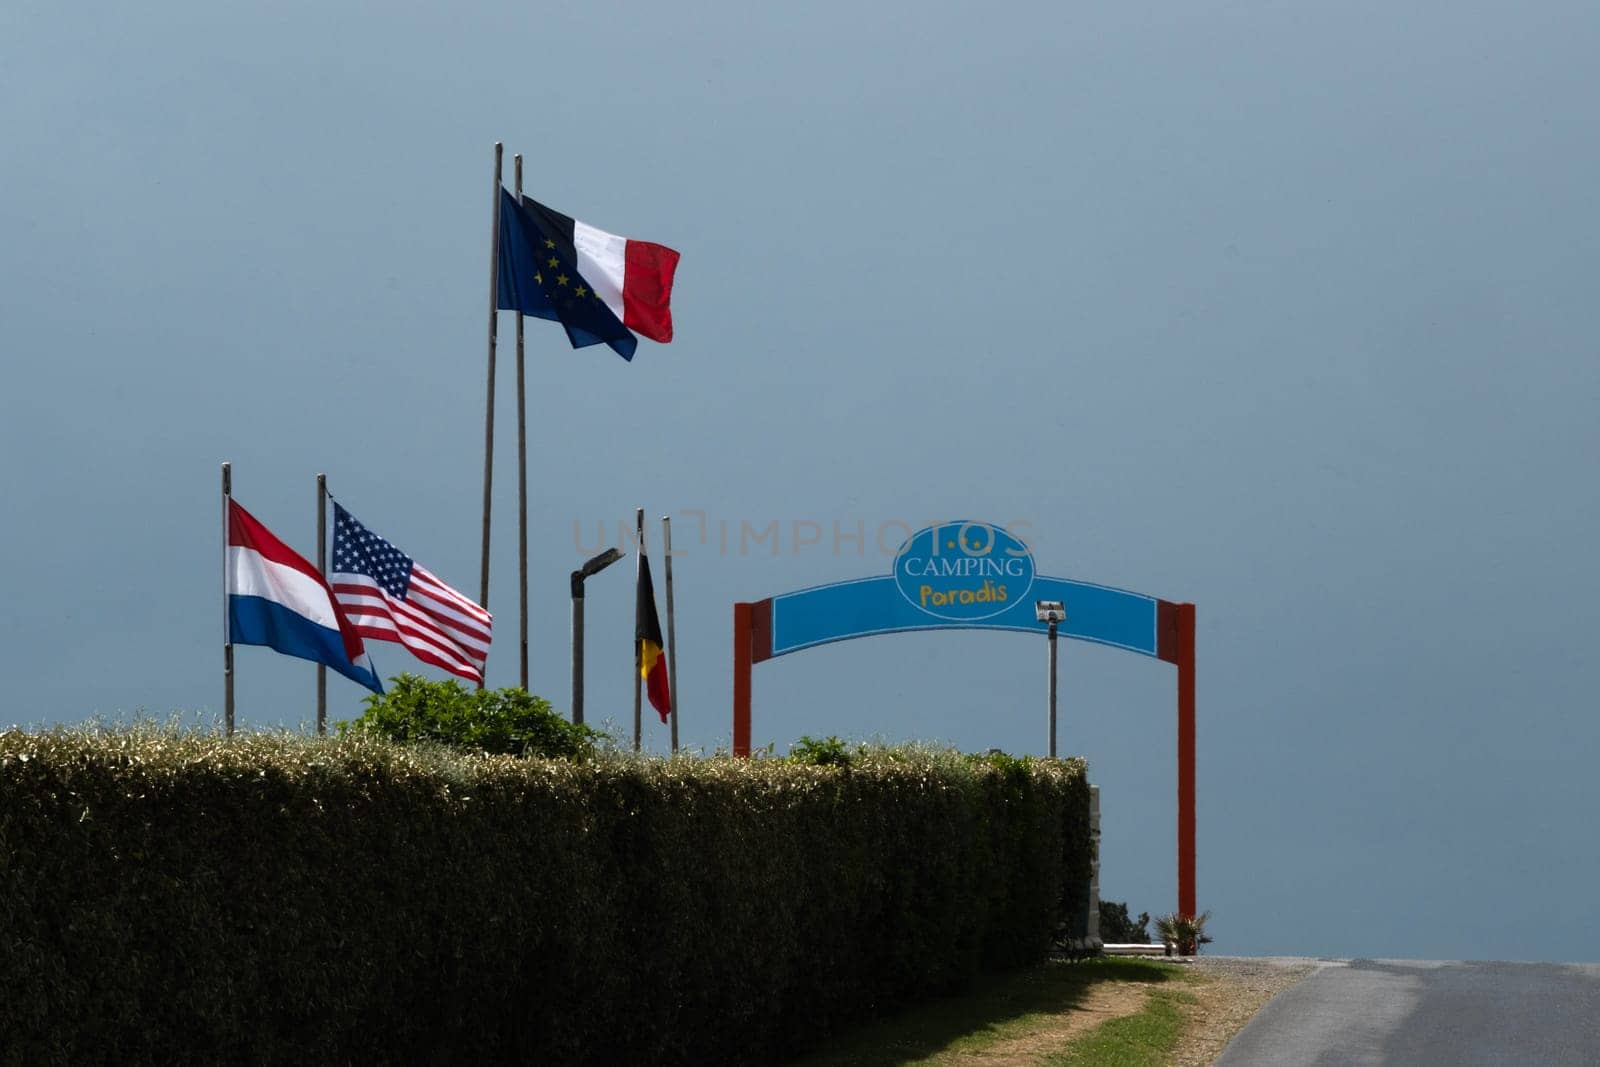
[{"x": 1417, "y": 1012}]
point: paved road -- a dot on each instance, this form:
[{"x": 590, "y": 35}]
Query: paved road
[{"x": 1415, "y": 1012}]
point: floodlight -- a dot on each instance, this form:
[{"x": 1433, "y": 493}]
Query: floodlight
[{"x": 595, "y": 564}]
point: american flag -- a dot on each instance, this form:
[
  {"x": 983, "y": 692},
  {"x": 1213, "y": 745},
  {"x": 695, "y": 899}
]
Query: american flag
[{"x": 389, "y": 596}]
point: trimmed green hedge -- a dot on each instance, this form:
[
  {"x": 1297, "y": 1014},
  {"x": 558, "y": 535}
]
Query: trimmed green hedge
[{"x": 176, "y": 897}]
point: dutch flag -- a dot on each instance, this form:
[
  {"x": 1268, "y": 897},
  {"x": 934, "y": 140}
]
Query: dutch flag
[{"x": 276, "y": 598}]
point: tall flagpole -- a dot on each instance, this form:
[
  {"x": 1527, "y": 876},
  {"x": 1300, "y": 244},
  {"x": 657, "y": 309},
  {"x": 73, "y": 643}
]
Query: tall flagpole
[
  {"x": 488, "y": 415},
  {"x": 638, "y": 620},
  {"x": 227, "y": 632},
  {"x": 322, "y": 569},
  {"x": 672, "y": 639},
  {"x": 522, "y": 478}
]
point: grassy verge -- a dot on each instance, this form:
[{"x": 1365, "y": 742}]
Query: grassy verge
[
  {"x": 1143, "y": 1039},
  {"x": 1050, "y": 1014}
]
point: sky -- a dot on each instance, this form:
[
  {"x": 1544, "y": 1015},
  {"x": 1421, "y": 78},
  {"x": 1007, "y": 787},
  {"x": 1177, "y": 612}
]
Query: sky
[{"x": 1284, "y": 310}]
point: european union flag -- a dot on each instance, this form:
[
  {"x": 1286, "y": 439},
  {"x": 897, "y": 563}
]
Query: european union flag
[{"x": 538, "y": 275}]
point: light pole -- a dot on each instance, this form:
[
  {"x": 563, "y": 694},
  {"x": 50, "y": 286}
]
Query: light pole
[
  {"x": 592, "y": 566},
  {"x": 1051, "y": 612}
]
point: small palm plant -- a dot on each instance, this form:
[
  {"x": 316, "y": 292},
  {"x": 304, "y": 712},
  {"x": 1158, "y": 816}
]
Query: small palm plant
[{"x": 1183, "y": 933}]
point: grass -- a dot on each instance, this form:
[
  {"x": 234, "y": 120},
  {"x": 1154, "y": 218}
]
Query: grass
[{"x": 1022, "y": 1008}]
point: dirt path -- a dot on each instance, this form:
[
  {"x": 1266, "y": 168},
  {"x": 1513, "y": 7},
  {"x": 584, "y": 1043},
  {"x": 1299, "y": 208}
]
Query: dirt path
[
  {"x": 1105, "y": 1002},
  {"x": 1227, "y": 992}
]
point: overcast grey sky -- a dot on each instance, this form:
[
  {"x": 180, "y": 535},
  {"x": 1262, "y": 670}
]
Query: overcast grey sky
[{"x": 1286, "y": 310}]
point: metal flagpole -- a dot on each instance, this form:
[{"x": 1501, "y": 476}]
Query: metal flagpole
[
  {"x": 522, "y": 475},
  {"x": 488, "y": 415},
  {"x": 227, "y": 633},
  {"x": 322, "y": 569},
  {"x": 672, "y": 640},
  {"x": 638, "y": 645}
]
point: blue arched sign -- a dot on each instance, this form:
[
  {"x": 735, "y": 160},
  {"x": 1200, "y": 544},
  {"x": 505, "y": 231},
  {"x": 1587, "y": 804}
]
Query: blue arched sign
[
  {"x": 958, "y": 576},
  {"x": 967, "y": 575}
]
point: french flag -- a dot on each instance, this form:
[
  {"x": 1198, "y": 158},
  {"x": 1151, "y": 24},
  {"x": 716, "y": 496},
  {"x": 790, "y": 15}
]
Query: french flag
[
  {"x": 276, "y": 598},
  {"x": 603, "y": 288},
  {"x": 633, "y": 278}
]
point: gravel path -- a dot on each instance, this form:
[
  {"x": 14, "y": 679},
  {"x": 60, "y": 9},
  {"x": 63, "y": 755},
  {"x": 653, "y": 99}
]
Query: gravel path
[{"x": 1228, "y": 993}]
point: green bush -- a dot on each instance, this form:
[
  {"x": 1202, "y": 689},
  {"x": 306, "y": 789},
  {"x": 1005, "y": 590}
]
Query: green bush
[
  {"x": 170, "y": 897},
  {"x": 505, "y": 722},
  {"x": 1117, "y": 928},
  {"x": 828, "y": 752}
]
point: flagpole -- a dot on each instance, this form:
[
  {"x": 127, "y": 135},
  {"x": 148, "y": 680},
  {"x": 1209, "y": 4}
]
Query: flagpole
[
  {"x": 522, "y": 477},
  {"x": 672, "y": 639},
  {"x": 227, "y": 632},
  {"x": 638, "y": 620},
  {"x": 322, "y": 569},
  {"x": 488, "y": 415}
]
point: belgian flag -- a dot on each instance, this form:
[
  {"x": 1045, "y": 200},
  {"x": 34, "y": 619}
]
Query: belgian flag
[{"x": 647, "y": 634}]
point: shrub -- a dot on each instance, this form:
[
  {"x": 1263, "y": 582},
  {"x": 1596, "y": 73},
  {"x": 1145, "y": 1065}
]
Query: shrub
[
  {"x": 828, "y": 752},
  {"x": 1183, "y": 933},
  {"x": 1116, "y": 928},
  {"x": 504, "y": 722}
]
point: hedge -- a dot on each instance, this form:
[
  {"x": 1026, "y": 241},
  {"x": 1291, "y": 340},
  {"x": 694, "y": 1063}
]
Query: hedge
[{"x": 172, "y": 897}]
